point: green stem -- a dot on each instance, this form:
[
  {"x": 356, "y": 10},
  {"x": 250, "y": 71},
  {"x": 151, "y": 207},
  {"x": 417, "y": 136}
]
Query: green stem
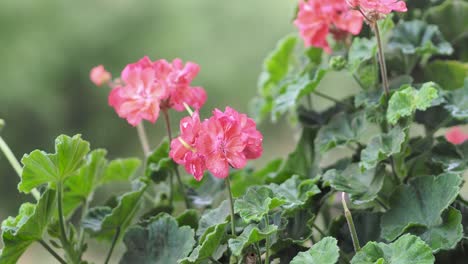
[
  {"x": 84, "y": 211},
  {"x": 259, "y": 253},
  {"x": 16, "y": 165},
  {"x": 319, "y": 230},
  {"x": 231, "y": 202},
  {"x": 332, "y": 99},
  {"x": 52, "y": 252},
  {"x": 267, "y": 243},
  {"x": 114, "y": 242},
  {"x": 352, "y": 228},
  {"x": 63, "y": 232},
  {"x": 143, "y": 139},
  {"x": 381, "y": 202},
  {"x": 381, "y": 56},
  {"x": 176, "y": 169}
]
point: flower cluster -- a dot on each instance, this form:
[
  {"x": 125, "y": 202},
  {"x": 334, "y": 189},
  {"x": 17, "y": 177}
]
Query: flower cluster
[
  {"x": 317, "y": 18},
  {"x": 377, "y": 9},
  {"x": 456, "y": 136},
  {"x": 148, "y": 87},
  {"x": 226, "y": 139}
]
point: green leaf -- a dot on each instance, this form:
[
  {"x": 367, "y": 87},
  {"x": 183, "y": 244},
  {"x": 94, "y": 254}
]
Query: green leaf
[
  {"x": 41, "y": 168},
  {"x": 342, "y": 129},
  {"x": 19, "y": 232},
  {"x": 121, "y": 170},
  {"x": 451, "y": 19},
  {"x": 381, "y": 147},
  {"x": 103, "y": 222},
  {"x": 406, "y": 101},
  {"x": 188, "y": 218},
  {"x": 213, "y": 217},
  {"x": 418, "y": 207},
  {"x": 457, "y": 102},
  {"x": 256, "y": 203},
  {"x": 449, "y": 74},
  {"x": 408, "y": 249},
  {"x": 159, "y": 164},
  {"x": 324, "y": 251},
  {"x": 160, "y": 242},
  {"x": 208, "y": 244},
  {"x": 417, "y": 37},
  {"x": 362, "y": 186},
  {"x": 243, "y": 179},
  {"x": 295, "y": 192},
  {"x": 250, "y": 235},
  {"x": 290, "y": 94}
]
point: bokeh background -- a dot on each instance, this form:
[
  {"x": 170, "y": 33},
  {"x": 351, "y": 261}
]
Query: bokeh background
[{"x": 48, "y": 47}]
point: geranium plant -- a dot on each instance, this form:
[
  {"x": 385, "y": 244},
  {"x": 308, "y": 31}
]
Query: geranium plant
[{"x": 392, "y": 195}]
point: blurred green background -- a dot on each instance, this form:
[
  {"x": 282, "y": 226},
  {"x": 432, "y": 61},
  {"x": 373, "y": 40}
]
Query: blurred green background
[{"x": 48, "y": 47}]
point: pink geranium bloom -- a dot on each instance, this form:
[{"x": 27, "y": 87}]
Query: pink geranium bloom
[
  {"x": 317, "y": 18},
  {"x": 227, "y": 139},
  {"x": 183, "y": 149},
  {"x": 376, "y": 9},
  {"x": 99, "y": 75},
  {"x": 456, "y": 136},
  {"x": 178, "y": 78},
  {"x": 139, "y": 98}
]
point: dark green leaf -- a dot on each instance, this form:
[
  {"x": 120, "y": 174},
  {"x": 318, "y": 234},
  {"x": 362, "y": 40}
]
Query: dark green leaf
[
  {"x": 362, "y": 186},
  {"x": 159, "y": 165},
  {"x": 250, "y": 235},
  {"x": 451, "y": 19},
  {"x": 213, "y": 217},
  {"x": 406, "y": 101},
  {"x": 160, "y": 242},
  {"x": 208, "y": 244},
  {"x": 295, "y": 192},
  {"x": 188, "y": 218},
  {"x": 457, "y": 102},
  {"x": 102, "y": 222},
  {"x": 19, "y": 232},
  {"x": 381, "y": 147},
  {"x": 408, "y": 249},
  {"x": 41, "y": 168},
  {"x": 449, "y": 74},
  {"x": 256, "y": 203},
  {"x": 341, "y": 130},
  {"x": 418, "y": 208},
  {"x": 324, "y": 251}
]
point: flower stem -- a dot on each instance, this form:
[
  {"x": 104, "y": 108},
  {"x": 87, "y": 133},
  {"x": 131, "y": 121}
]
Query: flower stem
[
  {"x": 52, "y": 252},
  {"x": 231, "y": 202},
  {"x": 143, "y": 139},
  {"x": 176, "y": 168},
  {"x": 114, "y": 242},
  {"x": 16, "y": 165},
  {"x": 383, "y": 65},
  {"x": 267, "y": 243},
  {"x": 352, "y": 228}
]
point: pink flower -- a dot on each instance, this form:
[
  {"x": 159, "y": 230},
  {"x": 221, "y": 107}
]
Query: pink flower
[
  {"x": 456, "y": 136},
  {"x": 99, "y": 75},
  {"x": 183, "y": 149},
  {"x": 139, "y": 98},
  {"x": 178, "y": 77},
  {"x": 376, "y": 9},
  {"x": 317, "y": 18},
  {"x": 227, "y": 139}
]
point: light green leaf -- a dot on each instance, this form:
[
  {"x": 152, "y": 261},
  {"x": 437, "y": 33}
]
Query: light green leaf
[
  {"x": 160, "y": 242},
  {"x": 457, "y": 102},
  {"x": 406, "y": 101},
  {"x": 362, "y": 186},
  {"x": 159, "y": 165},
  {"x": 41, "y": 168},
  {"x": 417, "y": 37},
  {"x": 213, "y": 217},
  {"x": 250, "y": 235},
  {"x": 256, "y": 203},
  {"x": 121, "y": 170},
  {"x": 381, "y": 147},
  {"x": 451, "y": 19},
  {"x": 207, "y": 245},
  {"x": 103, "y": 222},
  {"x": 19, "y": 232},
  {"x": 295, "y": 192},
  {"x": 324, "y": 251},
  {"x": 418, "y": 208},
  {"x": 408, "y": 249},
  {"x": 341, "y": 130},
  {"x": 449, "y": 74}
]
